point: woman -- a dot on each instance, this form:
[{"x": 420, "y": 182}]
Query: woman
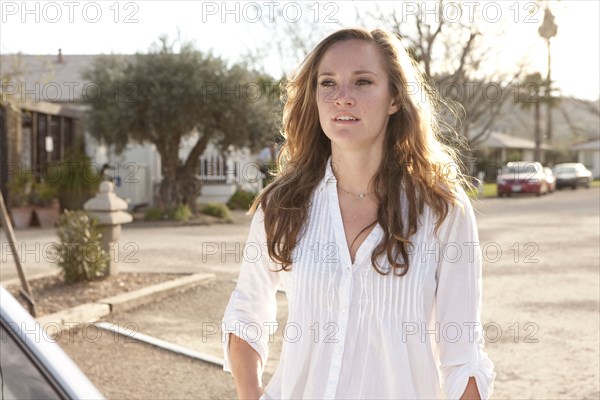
[{"x": 374, "y": 240}]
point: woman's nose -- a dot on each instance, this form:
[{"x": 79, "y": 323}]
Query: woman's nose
[{"x": 344, "y": 95}]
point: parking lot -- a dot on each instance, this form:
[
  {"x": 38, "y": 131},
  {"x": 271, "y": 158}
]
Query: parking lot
[{"x": 540, "y": 306}]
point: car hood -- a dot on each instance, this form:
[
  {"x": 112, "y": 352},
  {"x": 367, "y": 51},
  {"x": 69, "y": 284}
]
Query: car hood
[{"x": 522, "y": 176}]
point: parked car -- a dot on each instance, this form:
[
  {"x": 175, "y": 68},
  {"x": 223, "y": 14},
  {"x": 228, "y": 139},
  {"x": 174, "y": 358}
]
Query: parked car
[
  {"x": 522, "y": 177},
  {"x": 572, "y": 175},
  {"x": 550, "y": 179},
  {"x": 33, "y": 365}
]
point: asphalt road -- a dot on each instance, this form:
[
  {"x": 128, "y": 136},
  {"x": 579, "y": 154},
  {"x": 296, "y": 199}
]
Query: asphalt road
[{"x": 540, "y": 286}]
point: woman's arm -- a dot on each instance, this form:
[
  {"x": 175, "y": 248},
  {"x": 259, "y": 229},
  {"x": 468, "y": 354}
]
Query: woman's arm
[
  {"x": 252, "y": 307},
  {"x": 468, "y": 372},
  {"x": 245, "y": 367},
  {"x": 471, "y": 392}
]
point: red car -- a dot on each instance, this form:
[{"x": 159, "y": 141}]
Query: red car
[{"x": 522, "y": 177}]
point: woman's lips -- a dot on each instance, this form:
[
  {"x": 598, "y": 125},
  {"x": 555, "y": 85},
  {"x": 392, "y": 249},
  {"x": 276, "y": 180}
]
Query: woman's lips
[{"x": 345, "y": 118}]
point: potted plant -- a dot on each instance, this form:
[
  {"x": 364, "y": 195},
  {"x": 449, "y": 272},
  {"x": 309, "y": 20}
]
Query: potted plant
[
  {"x": 19, "y": 189},
  {"x": 45, "y": 204}
]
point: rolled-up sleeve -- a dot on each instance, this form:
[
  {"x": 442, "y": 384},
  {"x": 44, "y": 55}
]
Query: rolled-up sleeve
[
  {"x": 458, "y": 305},
  {"x": 252, "y": 309}
]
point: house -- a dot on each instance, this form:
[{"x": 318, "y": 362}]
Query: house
[
  {"x": 502, "y": 148},
  {"x": 498, "y": 148},
  {"x": 588, "y": 153},
  {"x": 34, "y": 135},
  {"x": 52, "y": 99}
]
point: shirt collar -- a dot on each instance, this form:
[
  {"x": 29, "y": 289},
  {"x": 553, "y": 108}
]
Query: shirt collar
[{"x": 329, "y": 176}]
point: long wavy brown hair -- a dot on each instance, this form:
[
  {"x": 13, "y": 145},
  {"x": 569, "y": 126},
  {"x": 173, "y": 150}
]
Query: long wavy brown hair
[{"x": 414, "y": 159}]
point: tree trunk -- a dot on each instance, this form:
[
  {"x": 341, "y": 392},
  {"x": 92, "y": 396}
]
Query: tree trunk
[
  {"x": 190, "y": 187},
  {"x": 169, "y": 193},
  {"x": 179, "y": 184}
]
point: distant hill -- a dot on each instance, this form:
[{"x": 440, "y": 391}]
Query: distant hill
[{"x": 573, "y": 121}]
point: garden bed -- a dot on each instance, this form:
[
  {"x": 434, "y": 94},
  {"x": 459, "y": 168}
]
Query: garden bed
[{"x": 52, "y": 294}]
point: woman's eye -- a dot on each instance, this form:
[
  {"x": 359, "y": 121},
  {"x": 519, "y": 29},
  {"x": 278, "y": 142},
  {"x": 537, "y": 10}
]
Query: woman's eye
[
  {"x": 327, "y": 83},
  {"x": 363, "y": 82}
]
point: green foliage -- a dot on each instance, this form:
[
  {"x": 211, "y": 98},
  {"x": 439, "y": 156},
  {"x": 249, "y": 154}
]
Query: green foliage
[
  {"x": 80, "y": 253},
  {"x": 163, "y": 96},
  {"x": 513, "y": 155},
  {"x": 489, "y": 190},
  {"x": 219, "y": 210},
  {"x": 20, "y": 187},
  {"x": 154, "y": 214},
  {"x": 181, "y": 213},
  {"x": 241, "y": 200},
  {"x": 42, "y": 194},
  {"x": 75, "y": 179}
]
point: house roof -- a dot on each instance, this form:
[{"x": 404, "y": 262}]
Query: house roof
[
  {"x": 589, "y": 145},
  {"x": 499, "y": 140},
  {"x": 50, "y": 78}
]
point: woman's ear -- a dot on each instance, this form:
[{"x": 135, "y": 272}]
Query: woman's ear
[{"x": 394, "y": 105}]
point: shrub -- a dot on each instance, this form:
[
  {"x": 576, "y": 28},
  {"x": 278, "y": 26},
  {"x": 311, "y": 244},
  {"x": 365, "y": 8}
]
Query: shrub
[
  {"x": 42, "y": 194},
  {"x": 20, "y": 187},
  {"x": 217, "y": 210},
  {"x": 80, "y": 253},
  {"x": 181, "y": 213},
  {"x": 241, "y": 200},
  {"x": 154, "y": 214}
]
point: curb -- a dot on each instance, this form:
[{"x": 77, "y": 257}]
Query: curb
[{"x": 92, "y": 312}]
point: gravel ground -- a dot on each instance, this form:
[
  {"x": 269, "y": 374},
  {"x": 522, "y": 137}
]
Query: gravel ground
[{"x": 124, "y": 368}]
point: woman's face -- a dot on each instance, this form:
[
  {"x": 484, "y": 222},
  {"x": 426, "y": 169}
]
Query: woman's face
[{"x": 353, "y": 96}]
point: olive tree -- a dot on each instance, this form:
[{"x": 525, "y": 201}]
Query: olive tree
[{"x": 165, "y": 96}]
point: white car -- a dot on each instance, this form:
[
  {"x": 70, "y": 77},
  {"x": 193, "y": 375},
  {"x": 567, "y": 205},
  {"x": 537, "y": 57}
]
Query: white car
[
  {"x": 32, "y": 365},
  {"x": 572, "y": 175}
]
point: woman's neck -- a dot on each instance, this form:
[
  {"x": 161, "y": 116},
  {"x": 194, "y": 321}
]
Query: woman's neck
[{"x": 354, "y": 170}]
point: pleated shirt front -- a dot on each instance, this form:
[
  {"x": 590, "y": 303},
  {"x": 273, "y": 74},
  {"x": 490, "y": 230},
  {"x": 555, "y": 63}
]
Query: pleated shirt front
[{"x": 353, "y": 333}]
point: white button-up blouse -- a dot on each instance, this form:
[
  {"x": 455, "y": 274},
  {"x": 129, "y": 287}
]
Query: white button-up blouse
[{"x": 353, "y": 333}]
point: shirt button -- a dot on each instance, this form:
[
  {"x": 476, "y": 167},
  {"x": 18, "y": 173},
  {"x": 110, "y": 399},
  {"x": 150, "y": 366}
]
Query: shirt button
[
  {"x": 330, "y": 391},
  {"x": 338, "y": 350}
]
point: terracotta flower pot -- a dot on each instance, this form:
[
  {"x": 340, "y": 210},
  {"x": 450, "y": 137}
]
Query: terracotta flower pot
[
  {"x": 21, "y": 216},
  {"x": 48, "y": 216}
]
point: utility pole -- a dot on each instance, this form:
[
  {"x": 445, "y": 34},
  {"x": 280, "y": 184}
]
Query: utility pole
[{"x": 548, "y": 30}]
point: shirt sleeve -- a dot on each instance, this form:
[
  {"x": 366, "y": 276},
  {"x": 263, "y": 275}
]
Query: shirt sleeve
[
  {"x": 458, "y": 305},
  {"x": 251, "y": 313}
]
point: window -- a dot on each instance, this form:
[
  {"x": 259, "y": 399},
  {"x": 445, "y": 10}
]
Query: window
[{"x": 20, "y": 376}]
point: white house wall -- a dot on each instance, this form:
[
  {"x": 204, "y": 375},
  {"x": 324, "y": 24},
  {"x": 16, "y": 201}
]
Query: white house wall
[
  {"x": 138, "y": 168},
  {"x": 136, "y": 171}
]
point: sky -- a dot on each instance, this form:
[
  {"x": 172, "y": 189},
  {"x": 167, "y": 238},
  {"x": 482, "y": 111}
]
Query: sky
[{"x": 233, "y": 28}]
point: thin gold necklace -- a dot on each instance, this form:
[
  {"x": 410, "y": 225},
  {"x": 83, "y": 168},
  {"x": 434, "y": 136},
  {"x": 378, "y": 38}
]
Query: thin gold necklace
[{"x": 360, "y": 195}]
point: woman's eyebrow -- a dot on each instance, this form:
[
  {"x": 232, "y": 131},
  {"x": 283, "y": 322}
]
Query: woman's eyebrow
[{"x": 357, "y": 72}]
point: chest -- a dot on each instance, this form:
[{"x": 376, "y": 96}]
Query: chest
[{"x": 359, "y": 217}]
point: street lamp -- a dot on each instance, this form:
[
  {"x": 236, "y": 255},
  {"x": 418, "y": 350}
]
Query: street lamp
[{"x": 548, "y": 30}]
